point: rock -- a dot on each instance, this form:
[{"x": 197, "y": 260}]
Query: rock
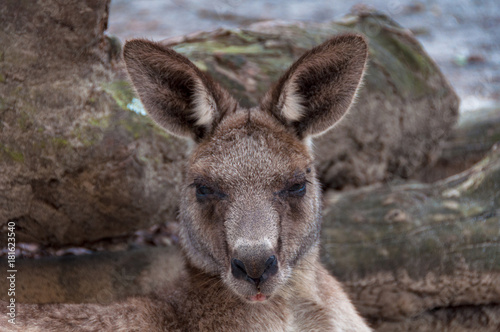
[
  {"x": 413, "y": 256},
  {"x": 75, "y": 164},
  {"x": 469, "y": 141},
  {"x": 419, "y": 256},
  {"x": 78, "y": 165},
  {"x": 103, "y": 277},
  {"x": 404, "y": 110}
]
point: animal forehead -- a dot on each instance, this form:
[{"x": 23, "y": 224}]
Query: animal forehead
[{"x": 250, "y": 150}]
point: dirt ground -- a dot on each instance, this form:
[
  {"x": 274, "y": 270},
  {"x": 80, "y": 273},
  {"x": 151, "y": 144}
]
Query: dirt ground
[{"x": 463, "y": 36}]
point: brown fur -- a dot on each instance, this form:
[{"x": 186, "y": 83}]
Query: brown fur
[{"x": 250, "y": 194}]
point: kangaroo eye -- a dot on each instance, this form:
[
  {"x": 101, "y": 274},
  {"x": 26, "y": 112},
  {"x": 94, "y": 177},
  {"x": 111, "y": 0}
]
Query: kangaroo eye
[
  {"x": 203, "y": 191},
  {"x": 298, "y": 189}
]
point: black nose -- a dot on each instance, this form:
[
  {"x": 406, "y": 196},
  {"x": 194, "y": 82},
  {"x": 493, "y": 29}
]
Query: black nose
[{"x": 239, "y": 271}]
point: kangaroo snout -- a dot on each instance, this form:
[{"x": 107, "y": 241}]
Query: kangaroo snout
[{"x": 255, "y": 270}]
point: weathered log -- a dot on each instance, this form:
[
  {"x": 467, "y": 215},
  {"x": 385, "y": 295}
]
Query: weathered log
[
  {"x": 413, "y": 256},
  {"x": 411, "y": 253},
  {"x": 77, "y": 165}
]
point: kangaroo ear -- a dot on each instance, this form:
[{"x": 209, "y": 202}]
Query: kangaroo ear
[
  {"x": 318, "y": 89},
  {"x": 177, "y": 95}
]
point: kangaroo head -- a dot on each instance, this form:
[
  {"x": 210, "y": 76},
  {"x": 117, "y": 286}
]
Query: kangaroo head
[{"x": 250, "y": 208}]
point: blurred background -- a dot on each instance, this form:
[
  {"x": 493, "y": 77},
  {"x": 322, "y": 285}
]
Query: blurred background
[{"x": 462, "y": 36}]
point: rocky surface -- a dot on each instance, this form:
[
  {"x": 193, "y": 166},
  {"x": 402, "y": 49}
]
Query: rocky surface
[
  {"x": 75, "y": 164},
  {"x": 79, "y": 166},
  {"x": 463, "y": 37},
  {"x": 405, "y": 108},
  {"x": 413, "y": 256}
]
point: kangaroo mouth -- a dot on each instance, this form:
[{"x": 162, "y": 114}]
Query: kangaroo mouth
[
  {"x": 251, "y": 293},
  {"x": 259, "y": 297},
  {"x": 256, "y": 290}
]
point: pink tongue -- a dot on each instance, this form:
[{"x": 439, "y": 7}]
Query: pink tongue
[{"x": 258, "y": 297}]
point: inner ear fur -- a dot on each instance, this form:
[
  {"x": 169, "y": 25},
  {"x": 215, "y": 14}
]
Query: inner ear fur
[
  {"x": 177, "y": 95},
  {"x": 318, "y": 89}
]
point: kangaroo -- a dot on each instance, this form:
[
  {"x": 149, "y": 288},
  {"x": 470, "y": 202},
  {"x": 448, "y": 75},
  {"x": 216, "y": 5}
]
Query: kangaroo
[{"x": 251, "y": 204}]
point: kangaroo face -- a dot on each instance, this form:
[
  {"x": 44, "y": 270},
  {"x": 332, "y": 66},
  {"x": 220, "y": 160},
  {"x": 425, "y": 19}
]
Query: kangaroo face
[
  {"x": 250, "y": 203},
  {"x": 250, "y": 200}
]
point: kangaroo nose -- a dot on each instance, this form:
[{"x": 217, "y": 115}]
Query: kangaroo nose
[{"x": 269, "y": 268}]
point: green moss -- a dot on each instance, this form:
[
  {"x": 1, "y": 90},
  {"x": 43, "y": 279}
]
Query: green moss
[
  {"x": 138, "y": 126},
  {"x": 141, "y": 126},
  {"x": 2, "y": 78},
  {"x": 209, "y": 47},
  {"x": 232, "y": 60},
  {"x": 245, "y": 36},
  {"x": 87, "y": 135},
  {"x": 248, "y": 49},
  {"x": 121, "y": 91},
  {"x": 16, "y": 156},
  {"x": 201, "y": 65},
  {"x": 386, "y": 67},
  {"x": 401, "y": 61},
  {"x": 405, "y": 51},
  {"x": 132, "y": 128},
  {"x": 101, "y": 122},
  {"x": 23, "y": 121},
  {"x": 144, "y": 159},
  {"x": 59, "y": 142},
  {"x": 411, "y": 57}
]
